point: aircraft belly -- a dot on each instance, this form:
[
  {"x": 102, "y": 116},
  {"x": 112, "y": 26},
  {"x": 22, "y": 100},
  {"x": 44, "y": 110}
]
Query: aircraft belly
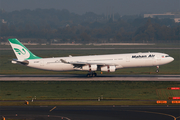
[
  {"x": 59, "y": 67},
  {"x": 53, "y": 66},
  {"x": 148, "y": 63}
]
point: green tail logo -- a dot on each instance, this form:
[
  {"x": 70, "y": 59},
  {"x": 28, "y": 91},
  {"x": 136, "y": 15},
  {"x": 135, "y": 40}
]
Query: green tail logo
[{"x": 19, "y": 51}]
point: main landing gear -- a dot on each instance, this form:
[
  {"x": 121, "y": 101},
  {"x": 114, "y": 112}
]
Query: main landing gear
[
  {"x": 91, "y": 74},
  {"x": 157, "y": 70}
]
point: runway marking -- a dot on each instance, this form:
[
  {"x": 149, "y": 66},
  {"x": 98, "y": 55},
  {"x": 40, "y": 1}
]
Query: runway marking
[
  {"x": 177, "y": 117},
  {"x": 157, "y": 113},
  {"x": 167, "y": 78},
  {"x": 34, "y": 116},
  {"x": 63, "y": 117},
  {"x": 52, "y": 109}
]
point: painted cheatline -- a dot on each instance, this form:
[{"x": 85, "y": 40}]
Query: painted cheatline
[{"x": 92, "y": 63}]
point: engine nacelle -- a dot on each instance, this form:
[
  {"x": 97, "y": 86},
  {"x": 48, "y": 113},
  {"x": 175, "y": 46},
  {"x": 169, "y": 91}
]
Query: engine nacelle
[
  {"x": 108, "y": 68},
  {"x": 90, "y": 67}
]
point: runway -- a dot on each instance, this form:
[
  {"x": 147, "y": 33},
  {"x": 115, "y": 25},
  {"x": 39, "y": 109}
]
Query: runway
[
  {"x": 91, "y": 112},
  {"x": 84, "y": 78}
]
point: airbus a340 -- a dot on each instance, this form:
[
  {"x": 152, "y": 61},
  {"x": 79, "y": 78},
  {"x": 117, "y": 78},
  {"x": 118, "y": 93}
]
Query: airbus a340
[{"x": 108, "y": 63}]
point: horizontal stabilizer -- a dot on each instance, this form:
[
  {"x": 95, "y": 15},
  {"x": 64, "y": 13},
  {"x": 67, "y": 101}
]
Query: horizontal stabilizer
[{"x": 25, "y": 62}]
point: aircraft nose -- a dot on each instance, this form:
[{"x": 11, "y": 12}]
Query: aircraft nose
[{"x": 171, "y": 59}]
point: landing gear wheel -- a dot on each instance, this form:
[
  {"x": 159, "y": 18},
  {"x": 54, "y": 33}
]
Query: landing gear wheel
[
  {"x": 157, "y": 69},
  {"x": 88, "y": 75},
  {"x": 91, "y": 74},
  {"x": 94, "y": 74}
]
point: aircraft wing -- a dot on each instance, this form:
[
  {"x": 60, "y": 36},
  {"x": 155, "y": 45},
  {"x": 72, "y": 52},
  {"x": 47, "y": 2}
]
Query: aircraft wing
[{"x": 79, "y": 63}]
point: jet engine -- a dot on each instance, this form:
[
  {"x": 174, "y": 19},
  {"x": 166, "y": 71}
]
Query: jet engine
[
  {"x": 108, "y": 68},
  {"x": 90, "y": 67}
]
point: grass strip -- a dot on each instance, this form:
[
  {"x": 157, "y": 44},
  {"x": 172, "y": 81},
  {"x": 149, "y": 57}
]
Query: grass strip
[
  {"x": 74, "y": 103},
  {"x": 80, "y": 103},
  {"x": 67, "y": 90}
]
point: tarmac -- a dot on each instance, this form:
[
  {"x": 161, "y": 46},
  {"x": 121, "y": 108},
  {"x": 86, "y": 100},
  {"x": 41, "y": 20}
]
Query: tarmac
[
  {"x": 91, "y": 112},
  {"x": 84, "y": 78}
]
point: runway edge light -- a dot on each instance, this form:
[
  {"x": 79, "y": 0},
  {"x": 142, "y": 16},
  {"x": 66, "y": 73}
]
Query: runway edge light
[
  {"x": 174, "y": 98},
  {"x": 175, "y": 102},
  {"x": 173, "y": 88},
  {"x": 161, "y": 102}
]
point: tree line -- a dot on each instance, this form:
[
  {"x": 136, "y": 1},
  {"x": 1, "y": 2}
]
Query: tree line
[{"x": 61, "y": 26}]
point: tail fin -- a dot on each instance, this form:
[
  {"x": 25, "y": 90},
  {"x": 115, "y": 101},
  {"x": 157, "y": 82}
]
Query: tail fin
[{"x": 21, "y": 52}]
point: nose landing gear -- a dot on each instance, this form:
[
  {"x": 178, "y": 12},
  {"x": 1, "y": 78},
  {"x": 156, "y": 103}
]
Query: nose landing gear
[{"x": 157, "y": 70}]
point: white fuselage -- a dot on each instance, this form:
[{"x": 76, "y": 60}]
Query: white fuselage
[{"x": 117, "y": 60}]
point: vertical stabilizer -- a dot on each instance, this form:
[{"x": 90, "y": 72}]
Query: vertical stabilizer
[{"x": 21, "y": 52}]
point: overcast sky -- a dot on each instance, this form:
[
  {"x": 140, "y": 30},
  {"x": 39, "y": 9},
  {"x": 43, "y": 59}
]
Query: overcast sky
[{"x": 122, "y": 7}]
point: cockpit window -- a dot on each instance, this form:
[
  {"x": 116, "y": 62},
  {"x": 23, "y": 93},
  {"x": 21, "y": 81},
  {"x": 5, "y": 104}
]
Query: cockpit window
[{"x": 163, "y": 56}]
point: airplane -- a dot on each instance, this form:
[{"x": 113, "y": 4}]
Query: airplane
[{"x": 91, "y": 63}]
